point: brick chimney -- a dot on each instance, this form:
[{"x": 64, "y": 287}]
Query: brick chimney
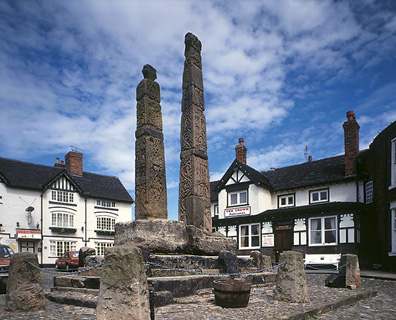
[
  {"x": 351, "y": 139},
  {"x": 241, "y": 151},
  {"x": 59, "y": 165},
  {"x": 74, "y": 162}
]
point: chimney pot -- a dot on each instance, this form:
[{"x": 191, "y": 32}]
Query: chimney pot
[
  {"x": 350, "y": 115},
  {"x": 241, "y": 140},
  {"x": 310, "y": 159}
]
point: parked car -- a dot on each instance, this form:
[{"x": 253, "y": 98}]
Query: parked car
[
  {"x": 68, "y": 261},
  {"x": 5, "y": 255}
]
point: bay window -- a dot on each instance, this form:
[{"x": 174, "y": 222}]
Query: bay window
[
  {"x": 323, "y": 231},
  {"x": 249, "y": 236}
]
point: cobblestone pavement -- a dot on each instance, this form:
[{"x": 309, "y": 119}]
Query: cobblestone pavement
[{"x": 262, "y": 305}]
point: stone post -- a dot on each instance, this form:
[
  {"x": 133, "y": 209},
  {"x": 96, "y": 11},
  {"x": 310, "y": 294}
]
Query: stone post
[
  {"x": 291, "y": 283},
  {"x": 350, "y": 269},
  {"x": 123, "y": 285},
  {"x": 150, "y": 175},
  {"x": 24, "y": 287},
  {"x": 194, "y": 187}
]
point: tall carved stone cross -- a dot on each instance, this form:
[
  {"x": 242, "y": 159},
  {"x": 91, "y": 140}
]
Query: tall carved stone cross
[
  {"x": 150, "y": 175},
  {"x": 194, "y": 186}
]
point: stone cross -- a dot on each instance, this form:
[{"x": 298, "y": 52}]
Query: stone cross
[
  {"x": 150, "y": 175},
  {"x": 194, "y": 186}
]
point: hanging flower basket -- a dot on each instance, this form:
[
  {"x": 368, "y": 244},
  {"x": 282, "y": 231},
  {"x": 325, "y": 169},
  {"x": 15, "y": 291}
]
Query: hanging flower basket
[{"x": 231, "y": 293}]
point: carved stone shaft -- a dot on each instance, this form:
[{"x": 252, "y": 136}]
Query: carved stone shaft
[
  {"x": 194, "y": 187},
  {"x": 150, "y": 174}
]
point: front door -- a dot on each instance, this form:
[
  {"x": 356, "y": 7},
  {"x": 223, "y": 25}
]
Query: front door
[{"x": 283, "y": 239}]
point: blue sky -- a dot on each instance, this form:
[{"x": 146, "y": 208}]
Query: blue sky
[{"x": 280, "y": 74}]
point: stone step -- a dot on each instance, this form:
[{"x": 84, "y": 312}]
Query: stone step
[
  {"x": 77, "y": 290},
  {"x": 73, "y": 298}
]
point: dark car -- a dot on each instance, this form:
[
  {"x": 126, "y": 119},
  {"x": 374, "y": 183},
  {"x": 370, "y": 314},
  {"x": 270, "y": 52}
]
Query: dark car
[
  {"x": 68, "y": 261},
  {"x": 5, "y": 255}
]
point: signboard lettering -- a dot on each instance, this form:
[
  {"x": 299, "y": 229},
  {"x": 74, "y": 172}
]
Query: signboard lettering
[{"x": 237, "y": 211}]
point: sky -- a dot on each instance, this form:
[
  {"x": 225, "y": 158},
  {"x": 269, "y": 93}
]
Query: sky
[{"x": 280, "y": 74}]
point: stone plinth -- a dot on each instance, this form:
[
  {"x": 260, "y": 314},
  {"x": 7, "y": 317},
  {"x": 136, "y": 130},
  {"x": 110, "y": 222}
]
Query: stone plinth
[
  {"x": 150, "y": 175},
  {"x": 291, "y": 283},
  {"x": 123, "y": 286},
  {"x": 350, "y": 269},
  {"x": 24, "y": 288},
  {"x": 170, "y": 236}
]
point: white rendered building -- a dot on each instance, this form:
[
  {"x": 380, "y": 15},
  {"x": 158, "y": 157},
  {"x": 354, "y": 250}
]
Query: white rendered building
[{"x": 49, "y": 210}]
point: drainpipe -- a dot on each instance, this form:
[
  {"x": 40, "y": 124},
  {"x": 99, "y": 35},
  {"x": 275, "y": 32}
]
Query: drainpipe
[
  {"x": 85, "y": 223},
  {"x": 41, "y": 227}
]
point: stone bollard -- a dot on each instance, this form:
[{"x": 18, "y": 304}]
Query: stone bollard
[
  {"x": 123, "y": 285},
  {"x": 350, "y": 269},
  {"x": 24, "y": 287},
  {"x": 260, "y": 260},
  {"x": 291, "y": 283},
  {"x": 257, "y": 259},
  {"x": 228, "y": 262}
]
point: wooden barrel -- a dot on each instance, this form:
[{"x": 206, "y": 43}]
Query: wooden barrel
[{"x": 231, "y": 293}]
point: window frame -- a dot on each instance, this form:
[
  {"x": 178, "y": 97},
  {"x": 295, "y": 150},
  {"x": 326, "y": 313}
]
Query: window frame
[
  {"x": 393, "y": 233},
  {"x": 369, "y": 191},
  {"x": 393, "y": 163},
  {"x": 319, "y": 191},
  {"x": 323, "y": 231},
  {"x": 106, "y": 221},
  {"x": 58, "y": 219},
  {"x": 59, "y": 247},
  {"x": 249, "y": 236},
  {"x": 238, "y": 193},
  {"x": 287, "y": 197}
]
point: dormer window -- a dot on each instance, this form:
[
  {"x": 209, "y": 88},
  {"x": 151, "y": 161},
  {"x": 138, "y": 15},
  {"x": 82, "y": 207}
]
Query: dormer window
[{"x": 316, "y": 196}]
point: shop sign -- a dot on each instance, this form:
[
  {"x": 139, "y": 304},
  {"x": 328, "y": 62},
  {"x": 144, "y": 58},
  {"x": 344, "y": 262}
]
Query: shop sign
[
  {"x": 237, "y": 211},
  {"x": 28, "y": 234},
  {"x": 267, "y": 240}
]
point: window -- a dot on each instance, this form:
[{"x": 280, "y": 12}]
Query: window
[
  {"x": 216, "y": 210},
  {"x": 105, "y": 203},
  {"x": 286, "y": 200},
  {"x": 369, "y": 192},
  {"x": 105, "y": 223},
  {"x": 101, "y": 246},
  {"x": 393, "y": 233},
  {"x": 58, "y": 248},
  {"x": 62, "y": 196},
  {"x": 393, "y": 162},
  {"x": 237, "y": 198},
  {"x": 319, "y": 196},
  {"x": 249, "y": 236},
  {"x": 62, "y": 219},
  {"x": 323, "y": 231}
]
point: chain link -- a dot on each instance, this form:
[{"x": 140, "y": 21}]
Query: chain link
[
  {"x": 211, "y": 274},
  {"x": 314, "y": 268},
  {"x": 66, "y": 273}
]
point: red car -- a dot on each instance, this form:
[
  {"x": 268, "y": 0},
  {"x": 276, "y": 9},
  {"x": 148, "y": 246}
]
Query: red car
[{"x": 68, "y": 261}]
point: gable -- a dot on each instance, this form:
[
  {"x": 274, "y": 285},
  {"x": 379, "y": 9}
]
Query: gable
[
  {"x": 237, "y": 177},
  {"x": 62, "y": 183}
]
